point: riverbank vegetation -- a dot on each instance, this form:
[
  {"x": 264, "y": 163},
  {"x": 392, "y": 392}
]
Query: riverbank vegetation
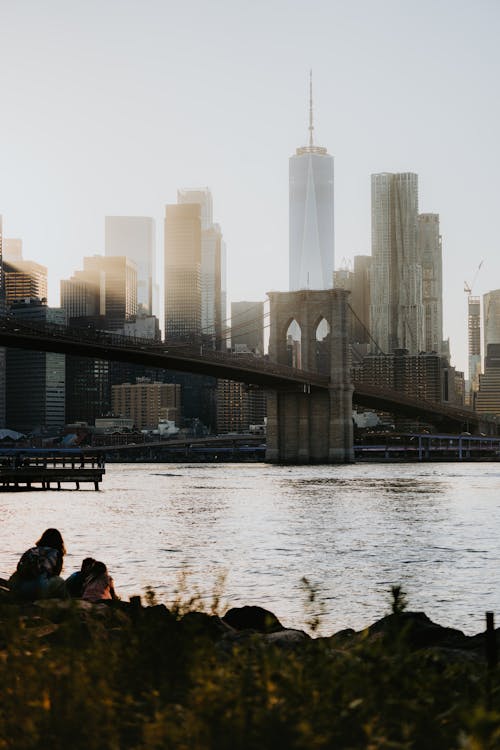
[{"x": 118, "y": 676}]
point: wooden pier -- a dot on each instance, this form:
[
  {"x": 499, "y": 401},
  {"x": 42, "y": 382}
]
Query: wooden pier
[{"x": 43, "y": 469}]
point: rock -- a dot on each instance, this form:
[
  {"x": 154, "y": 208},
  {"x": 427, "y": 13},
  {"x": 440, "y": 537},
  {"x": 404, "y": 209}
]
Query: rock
[
  {"x": 287, "y": 638},
  {"x": 252, "y": 618},
  {"x": 419, "y": 631}
]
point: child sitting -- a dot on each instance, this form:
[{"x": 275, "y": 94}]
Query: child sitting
[
  {"x": 74, "y": 584},
  {"x": 98, "y": 584}
]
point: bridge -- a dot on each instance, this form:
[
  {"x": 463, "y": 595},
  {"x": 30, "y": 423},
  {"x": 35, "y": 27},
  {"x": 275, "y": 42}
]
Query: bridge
[{"x": 309, "y": 413}]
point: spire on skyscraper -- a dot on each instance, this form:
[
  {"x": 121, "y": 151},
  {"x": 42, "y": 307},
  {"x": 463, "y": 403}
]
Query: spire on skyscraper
[{"x": 311, "y": 125}]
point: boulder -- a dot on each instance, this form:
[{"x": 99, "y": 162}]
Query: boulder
[{"x": 252, "y": 618}]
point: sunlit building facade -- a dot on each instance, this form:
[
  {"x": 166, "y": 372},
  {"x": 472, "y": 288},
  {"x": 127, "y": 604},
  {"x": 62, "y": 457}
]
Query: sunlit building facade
[
  {"x": 212, "y": 266},
  {"x": 183, "y": 273},
  {"x": 24, "y": 279}
]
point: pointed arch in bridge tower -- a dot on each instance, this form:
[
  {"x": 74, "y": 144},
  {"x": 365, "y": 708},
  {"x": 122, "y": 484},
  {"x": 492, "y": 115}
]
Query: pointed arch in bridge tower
[{"x": 311, "y": 426}]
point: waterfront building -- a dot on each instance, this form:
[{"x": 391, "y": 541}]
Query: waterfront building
[
  {"x": 146, "y": 402},
  {"x": 427, "y": 375},
  {"x": 430, "y": 255},
  {"x": 488, "y": 394},
  {"x": 311, "y": 214},
  {"x": 396, "y": 307},
  {"x": 239, "y": 406},
  {"x": 134, "y": 237},
  {"x": 35, "y": 380},
  {"x": 247, "y": 326}
]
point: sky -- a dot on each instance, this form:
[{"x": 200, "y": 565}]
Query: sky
[{"x": 109, "y": 106}]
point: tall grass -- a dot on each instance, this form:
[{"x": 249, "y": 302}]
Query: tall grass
[{"x": 149, "y": 678}]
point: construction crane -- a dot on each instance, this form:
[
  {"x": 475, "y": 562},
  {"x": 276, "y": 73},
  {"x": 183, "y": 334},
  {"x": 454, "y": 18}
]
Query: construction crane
[{"x": 469, "y": 287}]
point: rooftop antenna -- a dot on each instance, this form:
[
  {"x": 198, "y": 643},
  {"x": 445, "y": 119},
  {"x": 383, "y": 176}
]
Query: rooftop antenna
[{"x": 311, "y": 126}]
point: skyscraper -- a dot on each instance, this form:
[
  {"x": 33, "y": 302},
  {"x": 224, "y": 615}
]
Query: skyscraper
[
  {"x": 247, "y": 326},
  {"x": 183, "y": 272},
  {"x": 396, "y": 308},
  {"x": 212, "y": 268},
  {"x": 103, "y": 294},
  {"x": 3, "y": 351},
  {"x": 35, "y": 380},
  {"x": 430, "y": 255},
  {"x": 474, "y": 342},
  {"x": 134, "y": 238},
  {"x": 107, "y": 286},
  {"x": 24, "y": 279},
  {"x": 491, "y": 318},
  {"x": 311, "y": 225}
]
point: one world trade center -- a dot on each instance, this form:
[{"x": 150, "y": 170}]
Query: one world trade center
[{"x": 311, "y": 234}]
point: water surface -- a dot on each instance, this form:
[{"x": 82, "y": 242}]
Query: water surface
[{"x": 353, "y": 531}]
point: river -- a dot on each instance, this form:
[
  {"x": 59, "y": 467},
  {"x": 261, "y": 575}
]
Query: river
[{"x": 353, "y": 531}]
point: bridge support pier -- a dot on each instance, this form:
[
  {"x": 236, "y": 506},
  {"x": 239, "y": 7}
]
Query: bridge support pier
[{"x": 314, "y": 426}]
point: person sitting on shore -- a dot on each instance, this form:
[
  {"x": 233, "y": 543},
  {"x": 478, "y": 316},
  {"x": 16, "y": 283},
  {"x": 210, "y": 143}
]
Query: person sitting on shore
[
  {"x": 38, "y": 571},
  {"x": 74, "y": 584},
  {"x": 98, "y": 585}
]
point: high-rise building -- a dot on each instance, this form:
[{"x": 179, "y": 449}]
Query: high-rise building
[
  {"x": 396, "y": 308},
  {"x": 427, "y": 375},
  {"x": 35, "y": 380},
  {"x": 107, "y": 287},
  {"x": 24, "y": 279},
  {"x": 247, "y": 326},
  {"x": 356, "y": 280},
  {"x": 311, "y": 214},
  {"x": 3, "y": 351},
  {"x": 12, "y": 249},
  {"x": 474, "y": 342},
  {"x": 134, "y": 237},
  {"x": 488, "y": 395},
  {"x": 238, "y": 407},
  {"x": 147, "y": 402},
  {"x": 183, "y": 273},
  {"x": 212, "y": 268},
  {"x": 430, "y": 254},
  {"x": 102, "y": 295},
  {"x": 491, "y": 318}
]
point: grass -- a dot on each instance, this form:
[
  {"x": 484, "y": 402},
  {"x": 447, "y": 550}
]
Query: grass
[{"x": 113, "y": 678}]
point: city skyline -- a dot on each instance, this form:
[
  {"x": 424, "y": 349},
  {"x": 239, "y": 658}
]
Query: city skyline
[{"x": 118, "y": 132}]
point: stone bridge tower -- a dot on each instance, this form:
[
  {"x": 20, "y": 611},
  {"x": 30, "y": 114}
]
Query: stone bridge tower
[{"x": 314, "y": 426}]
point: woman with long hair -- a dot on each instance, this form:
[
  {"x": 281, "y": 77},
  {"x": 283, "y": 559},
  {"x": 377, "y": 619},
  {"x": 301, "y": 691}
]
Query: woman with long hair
[{"x": 38, "y": 573}]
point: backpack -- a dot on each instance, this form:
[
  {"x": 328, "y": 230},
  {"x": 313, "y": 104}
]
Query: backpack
[{"x": 31, "y": 564}]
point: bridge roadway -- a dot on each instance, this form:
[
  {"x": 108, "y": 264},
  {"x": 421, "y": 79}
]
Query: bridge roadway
[{"x": 260, "y": 372}]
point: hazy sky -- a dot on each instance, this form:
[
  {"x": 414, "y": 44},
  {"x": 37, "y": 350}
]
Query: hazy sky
[{"x": 108, "y": 106}]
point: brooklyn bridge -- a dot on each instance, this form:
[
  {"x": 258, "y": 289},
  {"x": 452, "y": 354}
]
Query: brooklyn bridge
[{"x": 309, "y": 413}]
